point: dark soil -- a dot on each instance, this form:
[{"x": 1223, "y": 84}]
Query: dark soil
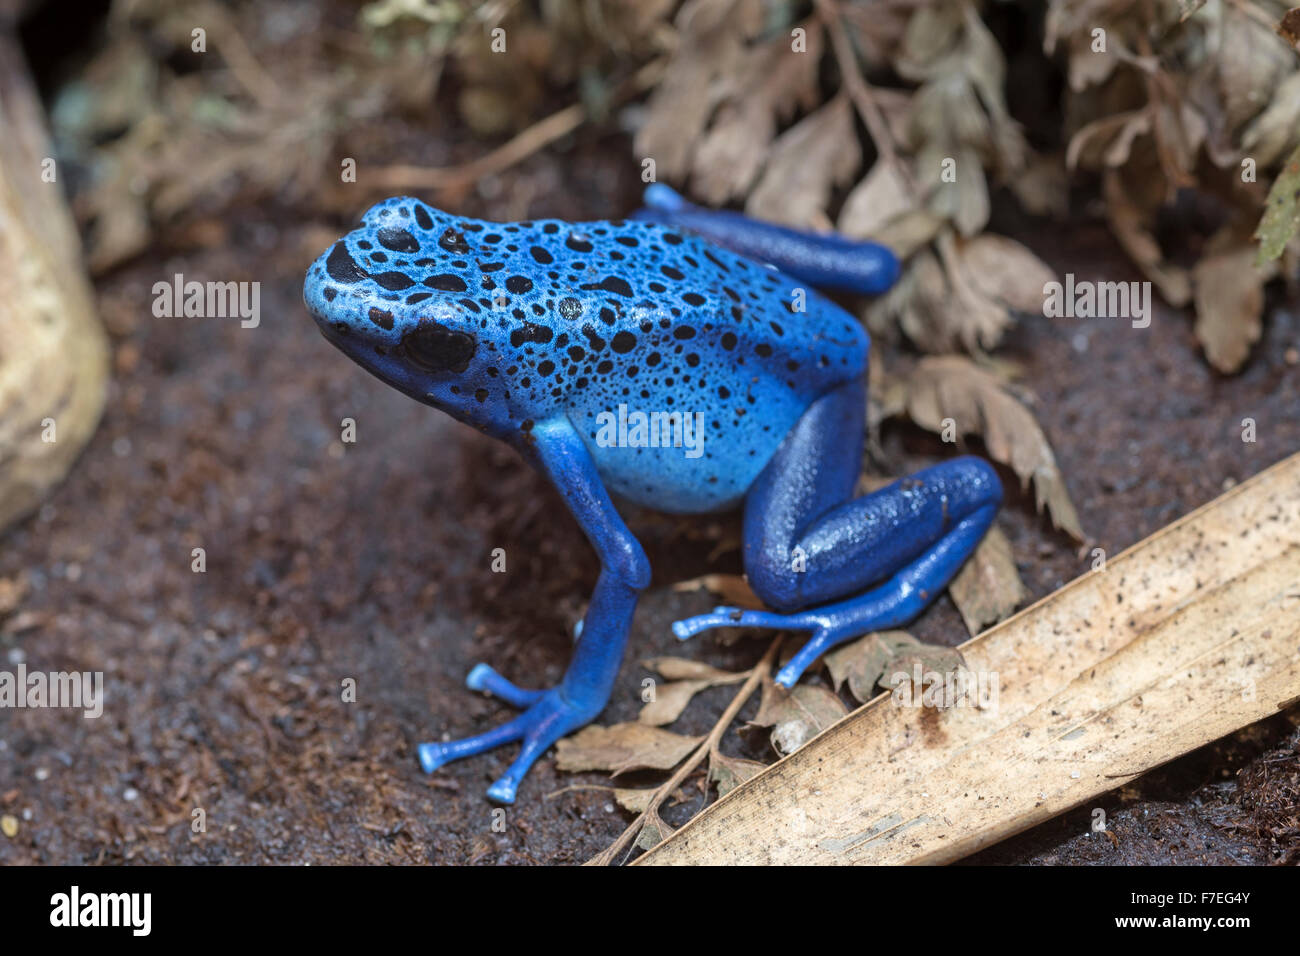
[{"x": 371, "y": 562}]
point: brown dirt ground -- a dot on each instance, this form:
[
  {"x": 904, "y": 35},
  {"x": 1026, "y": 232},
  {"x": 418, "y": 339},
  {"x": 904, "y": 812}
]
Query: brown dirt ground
[{"x": 371, "y": 561}]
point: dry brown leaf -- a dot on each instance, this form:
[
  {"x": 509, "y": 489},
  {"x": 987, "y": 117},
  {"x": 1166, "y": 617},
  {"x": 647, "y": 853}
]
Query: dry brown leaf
[
  {"x": 638, "y": 799},
  {"x": 933, "y": 672},
  {"x": 964, "y": 202},
  {"x": 952, "y": 386},
  {"x": 878, "y": 200},
  {"x": 1274, "y": 132},
  {"x": 732, "y": 588},
  {"x": 1043, "y": 187},
  {"x": 728, "y": 773},
  {"x": 819, "y": 152},
  {"x": 908, "y": 233},
  {"x": 1229, "y": 305},
  {"x": 1250, "y": 62},
  {"x": 774, "y": 82},
  {"x": 12, "y": 592},
  {"x": 1095, "y": 143},
  {"x": 687, "y": 678},
  {"x": 670, "y": 700},
  {"x": 623, "y": 747},
  {"x": 939, "y": 308},
  {"x": 654, "y": 832},
  {"x": 798, "y": 715},
  {"x": 682, "y": 668},
  {"x": 988, "y": 587},
  {"x": 712, "y": 35},
  {"x": 1005, "y": 271},
  {"x": 865, "y": 661},
  {"x": 1086, "y": 67},
  {"x": 635, "y": 800},
  {"x": 1128, "y": 223}
]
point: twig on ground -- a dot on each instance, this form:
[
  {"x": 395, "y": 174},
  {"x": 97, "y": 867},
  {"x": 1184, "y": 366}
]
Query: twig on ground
[{"x": 707, "y": 747}]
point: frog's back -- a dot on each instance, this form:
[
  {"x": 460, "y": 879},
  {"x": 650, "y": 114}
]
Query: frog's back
[{"x": 736, "y": 348}]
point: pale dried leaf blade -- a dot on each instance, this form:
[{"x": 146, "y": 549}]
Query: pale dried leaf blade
[
  {"x": 732, "y": 588},
  {"x": 623, "y": 747},
  {"x": 682, "y": 668},
  {"x": 988, "y": 587},
  {"x": 670, "y": 700},
  {"x": 635, "y": 800}
]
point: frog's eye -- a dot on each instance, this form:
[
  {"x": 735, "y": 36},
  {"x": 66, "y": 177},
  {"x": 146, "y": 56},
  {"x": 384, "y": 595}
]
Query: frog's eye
[{"x": 436, "y": 348}]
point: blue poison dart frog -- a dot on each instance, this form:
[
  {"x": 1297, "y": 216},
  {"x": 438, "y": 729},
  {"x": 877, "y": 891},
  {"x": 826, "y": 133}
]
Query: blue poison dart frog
[{"x": 564, "y": 339}]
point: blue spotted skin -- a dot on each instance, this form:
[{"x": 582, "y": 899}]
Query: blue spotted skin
[
  {"x": 529, "y": 331},
  {"x": 572, "y": 319}
]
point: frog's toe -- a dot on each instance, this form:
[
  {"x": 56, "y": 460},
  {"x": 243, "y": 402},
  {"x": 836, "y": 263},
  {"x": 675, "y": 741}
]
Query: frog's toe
[
  {"x": 434, "y": 755},
  {"x": 548, "y": 718},
  {"x": 484, "y": 678},
  {"x": 740, "y": 617}
]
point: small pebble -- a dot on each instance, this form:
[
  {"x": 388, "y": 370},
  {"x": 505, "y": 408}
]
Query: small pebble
[
  {"x": 130, "y": 793},
  {"x": 9, "y": 825},
  {"x": 42, "y": 773}
]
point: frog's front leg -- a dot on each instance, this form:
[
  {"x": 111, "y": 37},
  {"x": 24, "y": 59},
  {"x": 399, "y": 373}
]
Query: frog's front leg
[
  {"x": 560, "y": 454},
  {"x": 810, "y": 544}
]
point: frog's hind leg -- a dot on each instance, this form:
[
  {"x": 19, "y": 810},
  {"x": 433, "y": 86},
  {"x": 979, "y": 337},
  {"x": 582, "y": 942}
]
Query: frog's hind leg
[{"x": 856, "y": 564}]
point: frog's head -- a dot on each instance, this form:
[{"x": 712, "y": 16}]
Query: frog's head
[{"x": 395, "y": 296}]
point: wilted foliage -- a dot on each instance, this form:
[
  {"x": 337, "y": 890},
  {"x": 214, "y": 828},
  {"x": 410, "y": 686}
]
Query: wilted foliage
[{"x": 1175, "y": 96}]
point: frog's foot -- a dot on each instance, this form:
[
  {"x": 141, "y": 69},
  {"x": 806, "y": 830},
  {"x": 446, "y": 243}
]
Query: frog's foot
[
  {"x": 484, "y": 678},
  {"x": 825, "y": 632},
  {"x": 548, "y": 718}
]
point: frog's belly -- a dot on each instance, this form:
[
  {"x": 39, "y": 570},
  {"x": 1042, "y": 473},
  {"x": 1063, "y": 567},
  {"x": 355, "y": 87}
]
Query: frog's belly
[{"x": 689, "y": 463}]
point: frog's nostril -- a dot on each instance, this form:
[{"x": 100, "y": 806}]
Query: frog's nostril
[{"x": 436, "y": 348}]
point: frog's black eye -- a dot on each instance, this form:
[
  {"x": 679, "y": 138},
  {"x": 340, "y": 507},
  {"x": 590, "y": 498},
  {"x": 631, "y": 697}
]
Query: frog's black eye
[{"x": 436, "y": 348}]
